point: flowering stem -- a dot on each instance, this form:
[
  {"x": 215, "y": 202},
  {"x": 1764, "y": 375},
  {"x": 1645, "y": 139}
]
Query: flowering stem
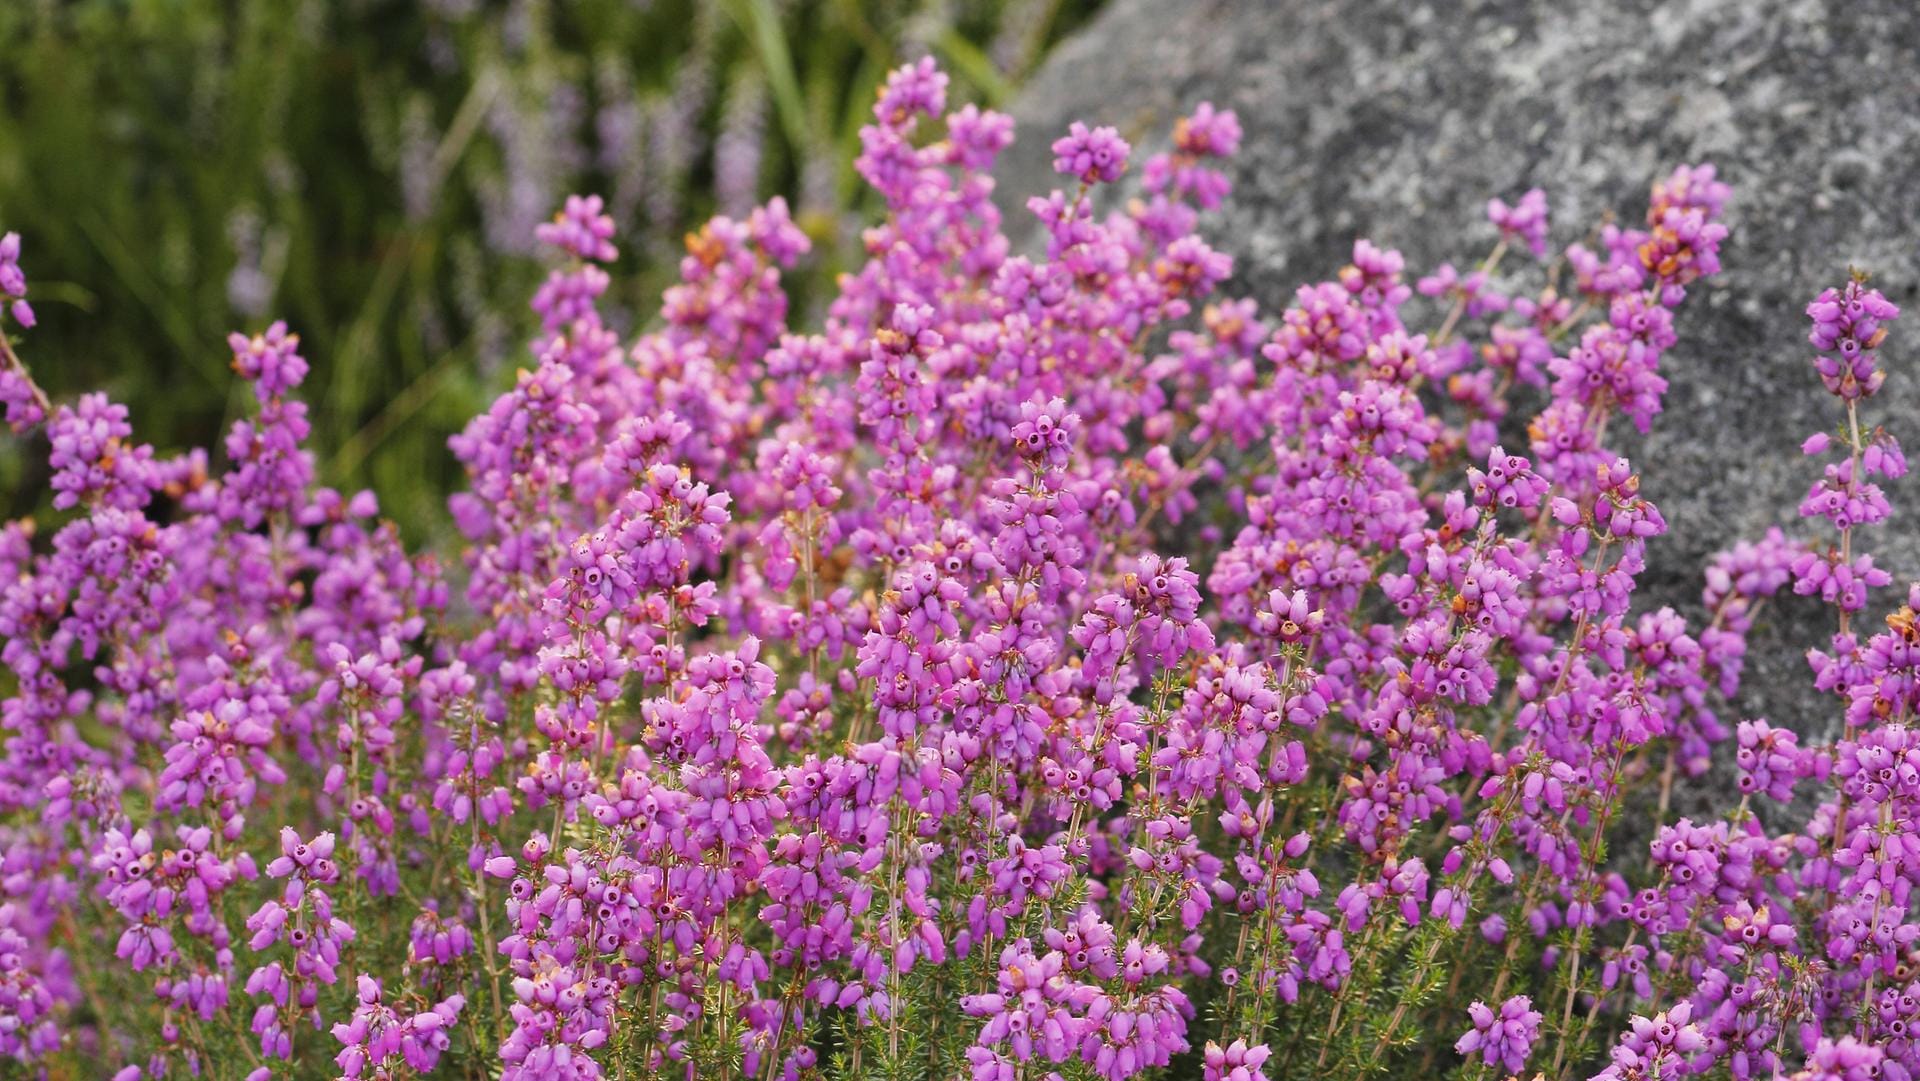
[
  {"x": 1565, "y": 326},
  {"x": 1438, "y": 937},
  {"x": 13, "y": 360},
  {"x": 1459, "y": 307},
  {"x": 1588, "y": 859}
]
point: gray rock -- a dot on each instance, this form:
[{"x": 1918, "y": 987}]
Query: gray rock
[{"x": 1397, "y": 120}]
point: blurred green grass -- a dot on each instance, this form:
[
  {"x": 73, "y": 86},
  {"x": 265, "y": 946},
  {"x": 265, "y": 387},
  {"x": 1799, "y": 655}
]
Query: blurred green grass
[{"x": 371, "y": 171}]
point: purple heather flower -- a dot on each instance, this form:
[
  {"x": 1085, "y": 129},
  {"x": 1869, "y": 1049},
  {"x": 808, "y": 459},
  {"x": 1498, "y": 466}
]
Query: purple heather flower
[
  {"x": 1525, "y": 221},
  {"x": 582, "y": 229},
  {"x": 13, "y": 282},
  {"x": 1848, "y": 326},
  {"x": 1505, "y": 1037},
  {"x": 1235, "y": 1062},
  {"x": 1090, "y": 156},
  {"x": 1208, "y": 132}
]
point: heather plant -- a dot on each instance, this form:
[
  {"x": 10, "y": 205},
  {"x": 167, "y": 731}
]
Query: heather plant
[{"x": 1049, "y": 667}]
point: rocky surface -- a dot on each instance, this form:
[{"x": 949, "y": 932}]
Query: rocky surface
[{"x": 1396, "y": 120}]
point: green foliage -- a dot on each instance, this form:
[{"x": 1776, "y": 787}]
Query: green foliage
[{"x": 370, "y": 171}]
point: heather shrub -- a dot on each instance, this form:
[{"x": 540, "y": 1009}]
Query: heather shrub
[{"x": 1048, "y": 667}]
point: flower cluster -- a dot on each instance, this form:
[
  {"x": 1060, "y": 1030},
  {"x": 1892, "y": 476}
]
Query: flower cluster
[
  {"x": 1044, "y": 665},
  {"x": 1504, "y": 1038}
]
